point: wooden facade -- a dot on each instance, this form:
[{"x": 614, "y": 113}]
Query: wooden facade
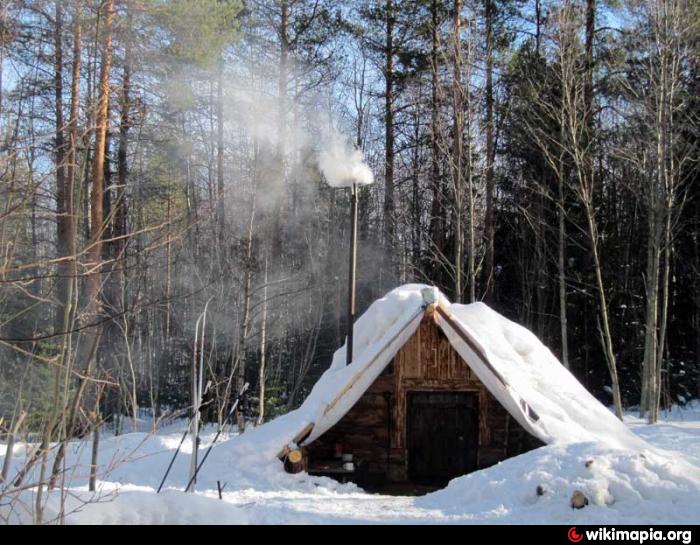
[{"x": 389, "y": 431}]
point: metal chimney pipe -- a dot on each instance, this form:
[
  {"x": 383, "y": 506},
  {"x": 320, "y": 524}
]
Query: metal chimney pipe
[{"x": 352, "y": 272}]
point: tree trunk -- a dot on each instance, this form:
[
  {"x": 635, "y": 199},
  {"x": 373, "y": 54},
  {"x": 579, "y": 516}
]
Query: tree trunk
[
  {"x": 561, "y": 265},
  {"x": 120, "y": 205},
  {"x": 10, "y": 447},
  {"x": 605, "y": 333},
  {"x": 490, "y": 226},
  {"x": 94, "y": 250},
  {"x": 649, "y": 386},
  {"x": 471, "y": 226},
  {"x": 67, "y": 270},
  {"x": 277, "y": 221},
  {"x": 61, "y": 189},
  {"x": 220, "y": 204},
  {"x": 561, "y": 243},
  {"x": 656, "y": 400},
  {"x": 437, "y": 216},
  {"x": 263, "y": 342},
  {"x": 95, "y": 451},
  {"x": 72, "y": 157},
  {"x": 457, "y": 138},
  {"x": 389, "y": 221},
  {"x": 245, "y": 323},
  {"x": 588, "y": 83}
]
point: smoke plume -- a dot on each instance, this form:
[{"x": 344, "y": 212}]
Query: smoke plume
[{"x": 342, "y": 164}]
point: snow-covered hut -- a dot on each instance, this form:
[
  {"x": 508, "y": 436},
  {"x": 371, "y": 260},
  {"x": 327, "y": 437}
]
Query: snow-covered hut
[{"x": 437, "y": 390}]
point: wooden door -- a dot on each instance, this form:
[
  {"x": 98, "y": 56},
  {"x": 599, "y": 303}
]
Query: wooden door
[{"x": 442, "y": 435}]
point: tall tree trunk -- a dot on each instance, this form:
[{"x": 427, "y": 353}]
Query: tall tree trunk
[
  {"x": 561, "y": 265},
  {"x": 263, "y": 342},
  {"x": 471, "y": 225},
  {"x": 60, "y": 155},
  {"x": 72, "y": 156},
  {"x": 588, "y": 82},
  {"x": 94, "y": 250},
  {"x": 605, "y": 333},
  {"x": 220, "y": 203},
  {"x": 68, "y": 268},
  {"x": 389, "y": 220},
  {"x": 437, "y": 215},
  {"x": 115, "y": 214},
  {"x": 245, "y": 323},
  {"x": 538, "y": 26},
  {"x": 282, "y": 104},
  {"x": 490, "y": 223},
  {"x": 457, "y": 151},
  {"x": 649, "y": 385},
  {"x": 665, "y": 285},
  {"x": 120, "y": 205},
  {"x": 561, "y": 242}
]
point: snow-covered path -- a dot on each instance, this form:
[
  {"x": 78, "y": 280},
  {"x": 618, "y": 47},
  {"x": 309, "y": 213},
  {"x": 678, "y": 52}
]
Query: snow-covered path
[{"x": 623, "y": 486}]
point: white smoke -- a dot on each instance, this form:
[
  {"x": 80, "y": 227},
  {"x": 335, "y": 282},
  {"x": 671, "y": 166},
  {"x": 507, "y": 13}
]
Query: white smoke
[{"x": 342, "y": 164}]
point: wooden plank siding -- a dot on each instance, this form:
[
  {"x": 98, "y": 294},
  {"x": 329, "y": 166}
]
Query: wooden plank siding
[{"x": 427, "y": 362}]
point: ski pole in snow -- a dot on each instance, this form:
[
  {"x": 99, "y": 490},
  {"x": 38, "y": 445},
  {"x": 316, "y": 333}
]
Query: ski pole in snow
[
  {"x": 172, "y": 461},
  {"x": 177, "y": 451},
  {"x": 216, "y": 437}
]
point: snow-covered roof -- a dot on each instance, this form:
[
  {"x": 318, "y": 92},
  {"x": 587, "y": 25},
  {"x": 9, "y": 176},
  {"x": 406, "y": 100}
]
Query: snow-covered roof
[{"x": 525, "y": 377}]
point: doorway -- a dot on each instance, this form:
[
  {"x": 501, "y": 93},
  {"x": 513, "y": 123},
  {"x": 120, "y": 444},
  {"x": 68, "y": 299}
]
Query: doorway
[{"x": 442, "y": 435}]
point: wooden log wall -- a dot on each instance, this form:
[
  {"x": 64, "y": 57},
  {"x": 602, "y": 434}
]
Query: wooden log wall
[{"x": 374, "y": 430}]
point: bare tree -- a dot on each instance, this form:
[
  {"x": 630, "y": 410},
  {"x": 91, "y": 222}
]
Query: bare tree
[{"x": 662, "y": 113}]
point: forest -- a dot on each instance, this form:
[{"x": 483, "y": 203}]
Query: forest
[{"x": 169, "y": 190}]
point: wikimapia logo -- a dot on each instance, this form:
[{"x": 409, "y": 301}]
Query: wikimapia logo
[
  {"x": 637, "y": 536},
  {"x": 573, "y": 535}
]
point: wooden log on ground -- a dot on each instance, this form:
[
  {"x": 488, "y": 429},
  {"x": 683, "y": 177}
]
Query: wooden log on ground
[
  {"x": 578, "y": 500},
  {"x": 298, "y": 438},
  {"x": 295, "y": 462}
]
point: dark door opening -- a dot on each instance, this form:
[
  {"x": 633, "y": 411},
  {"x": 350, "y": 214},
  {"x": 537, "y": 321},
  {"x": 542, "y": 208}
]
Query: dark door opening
[{"x": 442, "y": 435}]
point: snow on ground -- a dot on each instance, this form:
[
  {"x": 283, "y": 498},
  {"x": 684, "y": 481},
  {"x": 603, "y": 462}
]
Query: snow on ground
[
  {"x": 674, "y": 432},
  {"x": 623, "y": 486}
]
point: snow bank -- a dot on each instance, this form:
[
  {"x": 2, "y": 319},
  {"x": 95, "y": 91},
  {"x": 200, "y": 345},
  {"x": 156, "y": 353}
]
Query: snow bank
[
  {"x": 139, "y": 505},
  {"x": 623, "y": 487}
]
